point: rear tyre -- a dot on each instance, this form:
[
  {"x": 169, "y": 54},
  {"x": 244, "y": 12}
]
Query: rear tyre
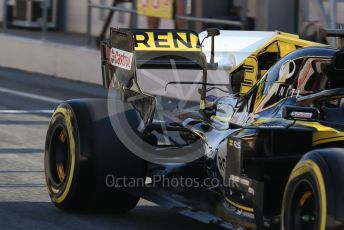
[{"x": 82, "y": 152}]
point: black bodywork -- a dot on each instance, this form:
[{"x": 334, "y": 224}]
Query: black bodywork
[{"x": 248, "y": 142}]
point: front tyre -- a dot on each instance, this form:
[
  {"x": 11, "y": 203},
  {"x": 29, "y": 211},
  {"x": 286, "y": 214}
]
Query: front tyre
[
  {"x": 304, "y": 204},
  {"x": 313, "y": 195}
]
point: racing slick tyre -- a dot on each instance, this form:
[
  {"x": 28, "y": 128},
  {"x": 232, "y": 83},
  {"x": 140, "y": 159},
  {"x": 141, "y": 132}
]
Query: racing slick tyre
[
  {"x": 313, "y": 198},
  {"x": 82, "y": 150}
]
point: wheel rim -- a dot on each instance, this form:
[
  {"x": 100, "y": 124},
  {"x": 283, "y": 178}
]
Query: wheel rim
[
  {"x": 59, "y": 156},
  {"x": 304, "y": 207}
]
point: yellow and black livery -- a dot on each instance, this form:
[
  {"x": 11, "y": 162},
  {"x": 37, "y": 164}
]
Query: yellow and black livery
[{"x": 275, "y": 145}]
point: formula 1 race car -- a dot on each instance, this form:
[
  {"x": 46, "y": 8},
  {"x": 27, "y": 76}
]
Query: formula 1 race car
[{"x": 265, "y": 152}]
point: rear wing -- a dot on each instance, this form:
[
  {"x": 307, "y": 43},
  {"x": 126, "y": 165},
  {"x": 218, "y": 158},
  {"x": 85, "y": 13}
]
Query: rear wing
[{"x": 128, "y": 50}]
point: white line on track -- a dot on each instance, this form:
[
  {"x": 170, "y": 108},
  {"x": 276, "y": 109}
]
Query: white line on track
[
  {"x": 43, "y": 111},
  {"x": 30, "y": 95}
]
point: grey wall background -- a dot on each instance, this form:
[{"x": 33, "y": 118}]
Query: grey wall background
[{"x": 276, "y": 15}]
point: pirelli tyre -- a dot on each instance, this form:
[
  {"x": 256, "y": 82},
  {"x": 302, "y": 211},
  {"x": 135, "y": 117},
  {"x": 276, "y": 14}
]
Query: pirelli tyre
[
  {"x": 313, "y": 198},
  {"x": 82, "y": 151}
]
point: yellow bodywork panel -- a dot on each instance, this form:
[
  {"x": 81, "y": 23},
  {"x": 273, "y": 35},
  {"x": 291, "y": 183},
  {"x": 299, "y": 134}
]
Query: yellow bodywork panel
[
  {"x": 250, "y": 75},
  {"x": 323, "y": 134},
  {"x": 285, "y": 48},
  {"x": 281, "y": 44}
]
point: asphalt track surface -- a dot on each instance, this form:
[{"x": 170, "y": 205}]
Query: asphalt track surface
[{"x": 25, "y": 103}]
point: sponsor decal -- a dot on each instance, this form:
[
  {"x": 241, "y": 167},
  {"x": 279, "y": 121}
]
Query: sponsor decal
[
  {"x": 121, "y": 58},
  {"x": 166, "y": 41},
  {"x": 287, "y": 70},
  {"x": 301, "y": 115}
]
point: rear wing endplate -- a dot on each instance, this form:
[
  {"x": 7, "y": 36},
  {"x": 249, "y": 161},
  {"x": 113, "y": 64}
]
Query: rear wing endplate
[{"x": 128, "y": 50}]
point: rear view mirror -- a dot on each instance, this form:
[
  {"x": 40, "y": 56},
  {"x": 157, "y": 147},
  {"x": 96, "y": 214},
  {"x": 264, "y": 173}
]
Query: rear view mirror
[{"x": 300, "y": 113}]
